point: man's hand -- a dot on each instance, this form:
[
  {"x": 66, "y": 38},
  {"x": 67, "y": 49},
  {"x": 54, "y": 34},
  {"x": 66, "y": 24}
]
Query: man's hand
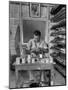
[
  {"x": 33, "y": 49},
  {"x": 44, "y": 50}
]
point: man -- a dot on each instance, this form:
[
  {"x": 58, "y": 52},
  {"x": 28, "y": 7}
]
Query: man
[{"x": 35, "y": 45}]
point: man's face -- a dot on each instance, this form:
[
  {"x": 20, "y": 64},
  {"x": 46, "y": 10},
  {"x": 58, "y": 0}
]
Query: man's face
[{"x": 37, "y": 38}]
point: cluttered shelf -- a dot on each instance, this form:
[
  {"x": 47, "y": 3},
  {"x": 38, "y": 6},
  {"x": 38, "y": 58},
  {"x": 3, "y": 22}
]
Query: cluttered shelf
[
  {"x": 59, "y": 58},
  {"x": 62, "y": 23},
  {"x": 60, "y": 15},
  {"x": 60, "y": 61},
  {"x": 59, "y": 50},
  {"x": 60, "y": 69},
  {"x": 58, "y": 39},
  {"x": 58, "y": 33},
  {"x": 54, "y": 34},
  {"x": 56, "y": 9}
]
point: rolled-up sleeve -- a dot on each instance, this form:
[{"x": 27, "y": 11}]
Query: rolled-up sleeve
[
  {"x": 29, "y": 44},
  {"x": 44, "y": 45}
]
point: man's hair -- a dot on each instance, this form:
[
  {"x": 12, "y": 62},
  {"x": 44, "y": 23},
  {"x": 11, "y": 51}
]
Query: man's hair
[{"x": 37, "y": 33}]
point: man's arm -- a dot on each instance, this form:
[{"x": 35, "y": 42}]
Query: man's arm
[
  {"x": 29, "y": 45},
  {"x": 44, "y": 47}
]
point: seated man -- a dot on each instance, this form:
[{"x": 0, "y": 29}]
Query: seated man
[{"x": 36, "y": 44}]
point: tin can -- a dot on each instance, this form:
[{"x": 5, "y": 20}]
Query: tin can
[
  {"x": 33, "y": 60},
  {"x": 23, "y": 60},
  {"x": 29, "y": 59},
  {"x": 40, "y": 55}
]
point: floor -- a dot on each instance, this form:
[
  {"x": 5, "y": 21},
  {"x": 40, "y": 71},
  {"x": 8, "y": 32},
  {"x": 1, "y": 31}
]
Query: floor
[{"x": 59, "y": 79}]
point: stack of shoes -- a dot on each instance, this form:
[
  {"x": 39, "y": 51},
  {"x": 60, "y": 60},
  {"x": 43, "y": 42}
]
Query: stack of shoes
[
  {"x": 56, "y": 9},
  {"x": 57, "y": 39},
  {"x": 54, "y": 54},
  {"x": 58, "y": 33}
]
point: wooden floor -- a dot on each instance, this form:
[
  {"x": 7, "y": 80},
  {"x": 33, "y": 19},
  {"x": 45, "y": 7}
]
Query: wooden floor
[{"x": 59, "y": 79}]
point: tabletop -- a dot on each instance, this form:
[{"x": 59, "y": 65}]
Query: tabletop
[{"x": 33, "y": 66}]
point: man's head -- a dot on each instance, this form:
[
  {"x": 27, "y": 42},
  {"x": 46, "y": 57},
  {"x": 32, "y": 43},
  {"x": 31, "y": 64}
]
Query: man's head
[{"x": 37, "y": 35}]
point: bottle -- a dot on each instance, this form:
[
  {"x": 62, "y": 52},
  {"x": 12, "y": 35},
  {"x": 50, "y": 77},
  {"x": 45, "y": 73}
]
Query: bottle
[
  {"x": 40, "y": 55},
  {"x": 33, "y": 60},
  {"x": 23, "y": 60},
  {"x": 28, "y": 58}
]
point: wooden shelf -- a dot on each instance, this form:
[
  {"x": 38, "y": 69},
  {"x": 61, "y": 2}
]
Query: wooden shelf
[
  {"x": 62, "y": 23},
  {"x": 57, "y": 47},
  {"x": 55, "y": 54},
  {"x": 58, "y": 39},
  {"x": 58, "y": 13},
  {"x": 61, "y": 70},
  {"x": 59, "y": 16},
  {"x": 58, "y": 55},
  {"x": 60, "y": 61},
  {"x": 58, "y": 33},
  {"x": 58, "y": 50},
  {"x": 60, "y": 43},
  {"x": 56, "y": 9}
]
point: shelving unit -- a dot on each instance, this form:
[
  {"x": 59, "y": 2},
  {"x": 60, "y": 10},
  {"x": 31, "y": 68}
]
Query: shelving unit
[
  {"x": 62, "y": 23},
  {"x": 60, "y": 13},
  {"x": 58, "y": 32},
  {"x": 56, "y": 9}
]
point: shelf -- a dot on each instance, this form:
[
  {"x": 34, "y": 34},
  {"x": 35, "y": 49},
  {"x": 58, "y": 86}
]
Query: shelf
[
  {"x": 53, "y": 47},
  {"x": 57, "y": 39},
  {"x": 60, "y": 54},
  {"x": 60, "y": 61},
  {"x": 61, "y": 70},
  {"x": 58, "y": 29},
  {"x": 58, "y": 50},
  {"x": 61, "y": 46},
  {"x": 62, "y": 23},
  {"x": 54, "y": 54},
  {"x": 58, "y": 33},
  {"x": 58, "y": 47},
  {"x": 60, "y": 43},
  {"x": 59, "y": 16},
  {"x": 56, "y": 9}
]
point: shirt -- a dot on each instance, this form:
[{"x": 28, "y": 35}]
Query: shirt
[{"x": 33, "y": 44}]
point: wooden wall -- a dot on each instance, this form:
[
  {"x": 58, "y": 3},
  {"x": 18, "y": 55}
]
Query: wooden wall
[
  {"x": 15, "y": 16},
  {"x": 13, "y": 25}
]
